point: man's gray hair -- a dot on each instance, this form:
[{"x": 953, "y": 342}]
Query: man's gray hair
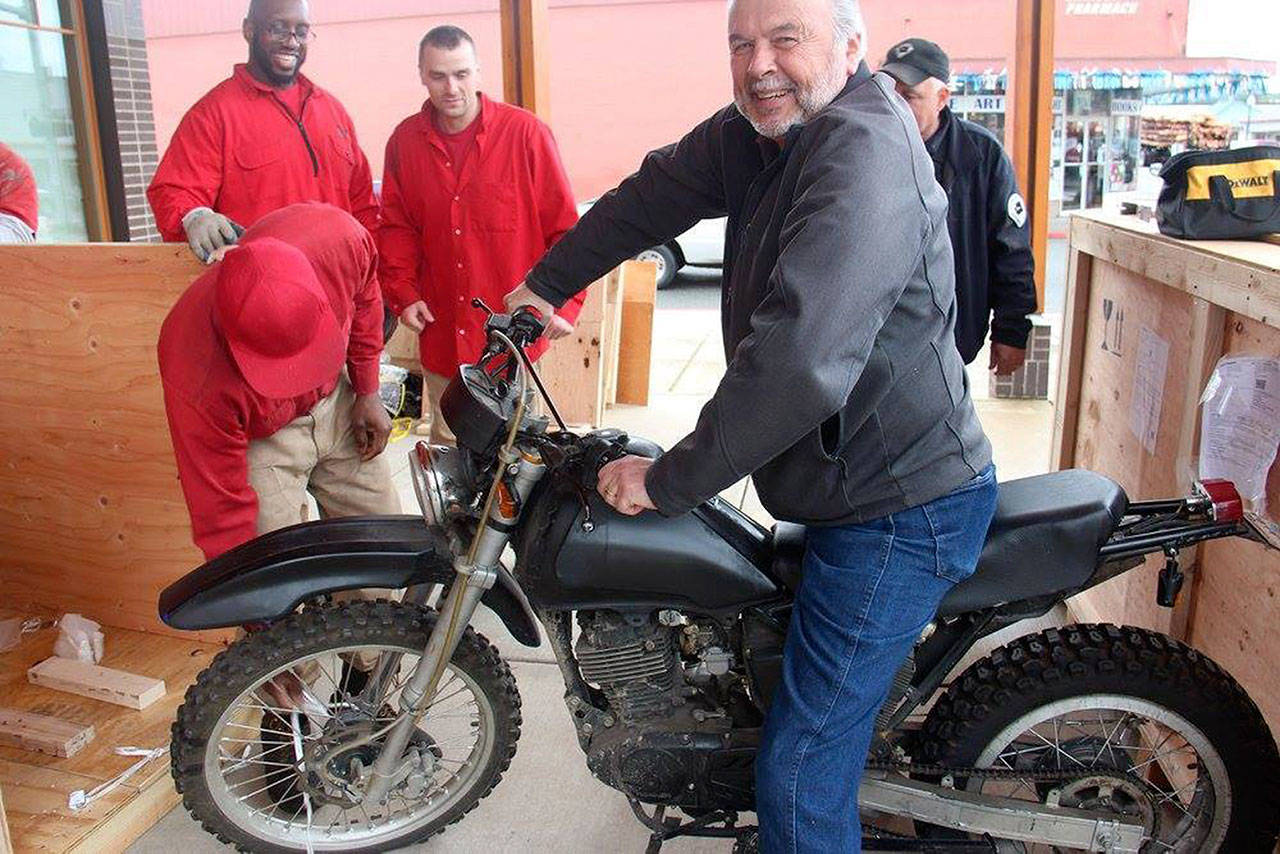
[{"x": 847, "y": 21}]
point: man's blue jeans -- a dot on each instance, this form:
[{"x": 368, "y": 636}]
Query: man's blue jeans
[{"x": 867, "y": 593}]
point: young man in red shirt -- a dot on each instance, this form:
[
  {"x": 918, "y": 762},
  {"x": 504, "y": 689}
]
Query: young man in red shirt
[
  {"x": 18, "y": 203},
  {"x": 264, "y": 138},
  {"x": 473, "y": 193}
]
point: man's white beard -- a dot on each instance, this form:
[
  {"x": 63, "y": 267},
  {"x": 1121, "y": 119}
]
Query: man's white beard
[{"x": 811, "y": 101}]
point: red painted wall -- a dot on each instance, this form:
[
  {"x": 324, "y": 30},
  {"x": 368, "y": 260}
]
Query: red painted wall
[{"x": 626, "y": 75}]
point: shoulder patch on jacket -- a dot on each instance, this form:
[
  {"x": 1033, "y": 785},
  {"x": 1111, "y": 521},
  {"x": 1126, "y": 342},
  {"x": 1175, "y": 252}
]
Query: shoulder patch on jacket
[{"x": 1017, "y": 210}]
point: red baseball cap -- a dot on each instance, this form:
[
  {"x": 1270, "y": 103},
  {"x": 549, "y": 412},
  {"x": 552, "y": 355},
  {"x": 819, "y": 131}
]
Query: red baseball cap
[{"x": 275, "y": 317}]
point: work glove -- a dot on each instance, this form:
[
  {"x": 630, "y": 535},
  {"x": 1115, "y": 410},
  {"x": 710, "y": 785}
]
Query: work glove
[{"x": 207, "y": 231}]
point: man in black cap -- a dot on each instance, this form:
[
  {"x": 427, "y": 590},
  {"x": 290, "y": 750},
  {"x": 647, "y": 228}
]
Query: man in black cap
[{"x": 995, "y": 270}]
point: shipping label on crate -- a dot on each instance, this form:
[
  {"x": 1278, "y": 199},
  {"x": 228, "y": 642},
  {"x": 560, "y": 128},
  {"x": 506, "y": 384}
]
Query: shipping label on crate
[{"x": 1147, "y": 398}]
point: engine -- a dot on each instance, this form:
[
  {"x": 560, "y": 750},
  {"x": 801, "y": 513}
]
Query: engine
[{"x": 677, "y": 708}]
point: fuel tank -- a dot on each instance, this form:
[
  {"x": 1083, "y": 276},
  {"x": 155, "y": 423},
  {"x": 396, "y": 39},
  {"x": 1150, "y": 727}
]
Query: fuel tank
[{"x": 578, "y": 553}]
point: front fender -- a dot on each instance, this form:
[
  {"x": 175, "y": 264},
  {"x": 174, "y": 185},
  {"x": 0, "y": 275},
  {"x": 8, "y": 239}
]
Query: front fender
[{"x": 270, "y": 576}]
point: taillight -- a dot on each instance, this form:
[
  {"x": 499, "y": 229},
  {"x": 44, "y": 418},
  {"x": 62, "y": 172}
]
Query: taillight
[{"x": 1225, "y": 504}]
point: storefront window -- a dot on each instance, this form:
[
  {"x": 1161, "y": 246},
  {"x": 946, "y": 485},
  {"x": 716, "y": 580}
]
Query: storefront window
[{"x": 38, "y": 113}]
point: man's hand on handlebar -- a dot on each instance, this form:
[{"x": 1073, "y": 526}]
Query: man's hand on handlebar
[
  {"x": 621, "y": 484},
  {"x": 522, "y": 296}
]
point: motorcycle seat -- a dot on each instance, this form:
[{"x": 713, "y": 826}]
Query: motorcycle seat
[{"x": 1043, "y": 540}]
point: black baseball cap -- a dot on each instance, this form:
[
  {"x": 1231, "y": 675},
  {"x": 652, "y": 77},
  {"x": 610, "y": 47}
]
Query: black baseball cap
[{"x": 912, "y": 60}]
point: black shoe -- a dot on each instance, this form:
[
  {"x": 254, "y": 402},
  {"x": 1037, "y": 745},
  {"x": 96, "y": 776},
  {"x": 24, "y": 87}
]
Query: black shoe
[
  {"x": 277, "y": 747},
  {"x": 350, "y": 684}
]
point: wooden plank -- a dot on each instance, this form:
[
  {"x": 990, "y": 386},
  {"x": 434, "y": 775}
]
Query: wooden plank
[
  {"x": 611, "y": 334},
  {"x": 525, "y": 55},
  {"x": 1031, "y": 100},
  {"x": 42, "y": 733},
  {"x": 123, "y": 826},
  {"x": 639, "y": 294},
  {"x": 130, "y": 690},
  {"x": 39, "y": 817},
  {"x": 1241, "y": 276},
  {"x": 1208, "y": 329},
  {"x": 1066, "y": 409}
]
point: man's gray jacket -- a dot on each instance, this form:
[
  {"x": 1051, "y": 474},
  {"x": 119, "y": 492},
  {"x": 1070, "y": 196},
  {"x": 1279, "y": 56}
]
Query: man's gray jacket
[{"x": 845, "y": 395}]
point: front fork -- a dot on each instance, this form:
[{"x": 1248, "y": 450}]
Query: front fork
[{"x": 476, "y": 572}]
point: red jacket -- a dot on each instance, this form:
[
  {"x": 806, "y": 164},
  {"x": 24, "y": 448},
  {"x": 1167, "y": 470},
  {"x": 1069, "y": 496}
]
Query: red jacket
[
  {"x": 214, "y": 414},
  {"x": 18, "y": 188},
  {"x": 240, "y": 152},
  {"x": 447, "y": 240}
]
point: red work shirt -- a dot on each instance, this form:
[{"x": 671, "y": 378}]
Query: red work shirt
[
  {"x": 214, "y": 414},
  {"x": 18, "y": 188},
  {"x": 242, "y": 153},
  {"x": 447, "y": 239}
]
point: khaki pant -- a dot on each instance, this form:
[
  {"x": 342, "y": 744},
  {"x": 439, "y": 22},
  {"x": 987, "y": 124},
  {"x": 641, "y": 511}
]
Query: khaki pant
[
  {"x": 433, "y": 386},
  {"x": 317, "y": 453}
]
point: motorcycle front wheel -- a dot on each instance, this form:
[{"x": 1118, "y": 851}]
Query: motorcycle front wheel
[
  {"x": 269, "y": 776},
  {"x": 1118, "y": 720}
]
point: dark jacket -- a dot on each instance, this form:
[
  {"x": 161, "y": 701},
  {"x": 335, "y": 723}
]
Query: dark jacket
[
  {"x": 990, "y": 236},
  {"x": 844, "y": 393}
]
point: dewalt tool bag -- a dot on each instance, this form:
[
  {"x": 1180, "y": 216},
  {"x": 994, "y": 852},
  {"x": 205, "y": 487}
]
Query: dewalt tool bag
[{"x": 1221, "y": 195}]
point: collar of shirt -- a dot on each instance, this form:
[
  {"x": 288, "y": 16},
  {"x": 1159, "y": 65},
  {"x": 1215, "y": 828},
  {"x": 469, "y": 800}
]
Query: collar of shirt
[
  {"x": 247, "y": 79},
  {"x": 432, "y": 131}
]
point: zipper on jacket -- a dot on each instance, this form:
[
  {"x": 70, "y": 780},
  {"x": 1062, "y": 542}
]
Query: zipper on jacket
[{"x": 302, "y": 111}]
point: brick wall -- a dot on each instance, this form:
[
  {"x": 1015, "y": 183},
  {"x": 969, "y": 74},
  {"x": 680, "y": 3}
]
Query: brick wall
[
  {"x": 135, "y": 123},
  {"x": 1032, "y": 379}
]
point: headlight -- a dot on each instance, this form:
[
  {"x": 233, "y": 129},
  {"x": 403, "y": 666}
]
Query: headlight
[{"x": 442, "y": 482}]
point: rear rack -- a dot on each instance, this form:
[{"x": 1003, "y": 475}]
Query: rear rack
[{"x": 1168, "y": 526}]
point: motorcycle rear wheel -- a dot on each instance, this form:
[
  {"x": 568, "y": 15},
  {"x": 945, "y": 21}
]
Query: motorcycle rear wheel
[
  {"x": 1148, "y": 727},
  {"x": 220, "y": 761}
]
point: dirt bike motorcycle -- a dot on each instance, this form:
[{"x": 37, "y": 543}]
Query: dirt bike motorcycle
[{"x": 366, "y": 726}]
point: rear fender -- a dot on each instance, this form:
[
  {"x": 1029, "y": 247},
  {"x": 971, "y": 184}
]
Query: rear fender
[{"x": 268, "y": 577}]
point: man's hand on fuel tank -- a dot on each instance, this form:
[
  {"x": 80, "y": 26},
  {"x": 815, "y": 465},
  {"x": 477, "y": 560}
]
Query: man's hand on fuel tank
[
  {"x": 558, "y": 328},
  {"x": 370, "y": 424},
  {"x": 1005, "y": 358},
  {"x": 417, "y": 316},
  {"x": 522, "y": 295},
  {"x": 208, "y": 231},
  {"x": 621, "y": 484}
]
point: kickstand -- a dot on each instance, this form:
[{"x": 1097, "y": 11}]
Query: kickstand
[{"x": 658, "y": 823}]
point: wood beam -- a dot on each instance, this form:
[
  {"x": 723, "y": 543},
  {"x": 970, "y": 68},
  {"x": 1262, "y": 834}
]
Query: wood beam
[
  {"x": 525, "y": 56},
  {"x": 1031, "y": 101}
]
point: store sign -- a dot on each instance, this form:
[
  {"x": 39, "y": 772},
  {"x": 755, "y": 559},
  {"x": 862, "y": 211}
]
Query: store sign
[
  {"x": 966, "y": 104},
  {"x": 1126, "y": 107}
]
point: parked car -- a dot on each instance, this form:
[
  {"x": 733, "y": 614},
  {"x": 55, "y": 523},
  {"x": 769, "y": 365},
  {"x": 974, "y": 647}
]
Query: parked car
[{"x": 700, "y": 246}]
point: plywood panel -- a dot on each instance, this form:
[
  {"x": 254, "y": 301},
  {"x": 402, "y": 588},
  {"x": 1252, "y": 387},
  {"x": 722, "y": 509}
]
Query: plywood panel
[
  {"x": 574, "y": 369},
  {"x": 91, "y": 515},
  {"x": 1121, "y": 306},
  {"x": 1238, "y": 595}
]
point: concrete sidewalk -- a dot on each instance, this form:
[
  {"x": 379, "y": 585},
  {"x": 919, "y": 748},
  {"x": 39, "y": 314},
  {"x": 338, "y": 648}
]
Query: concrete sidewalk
[{"x": 548, "y": 801}]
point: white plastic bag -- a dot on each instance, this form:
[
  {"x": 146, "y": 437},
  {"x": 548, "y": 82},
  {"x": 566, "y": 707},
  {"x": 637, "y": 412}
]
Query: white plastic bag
[{"x": 79, "y": 639}]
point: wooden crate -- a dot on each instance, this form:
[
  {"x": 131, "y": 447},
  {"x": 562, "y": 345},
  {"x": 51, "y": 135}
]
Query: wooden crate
[{"x": 1192, "y": 302}]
